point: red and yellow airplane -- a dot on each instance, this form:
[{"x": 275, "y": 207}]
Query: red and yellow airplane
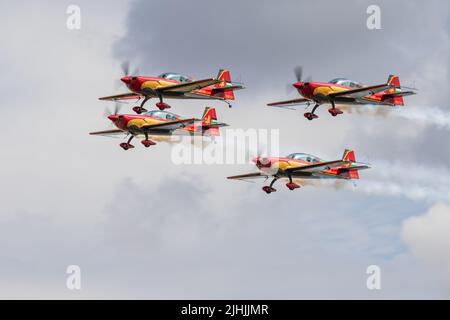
[
  {"x": 345, "y": 92},
  {"x": 302, "y": 166},
  {"x": 159, "y": 123},
  {"x": 175, "y": 86}
]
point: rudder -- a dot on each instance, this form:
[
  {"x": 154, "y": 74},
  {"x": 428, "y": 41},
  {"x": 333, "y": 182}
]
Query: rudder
[
  {"x": 396, "y": 100},
  {"x": 221, "y": 88},
  {"x": 349, "y": 155},
  {"x": 209, "y": 119}
]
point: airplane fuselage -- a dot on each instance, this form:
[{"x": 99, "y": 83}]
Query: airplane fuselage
[
  {"x": 147, "y": 86},
  {"x": 278, "y": 166},
  {"x": 319, "y": 92}
]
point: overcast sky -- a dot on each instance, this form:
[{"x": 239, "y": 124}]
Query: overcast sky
[{"x": 140, "y": 226}]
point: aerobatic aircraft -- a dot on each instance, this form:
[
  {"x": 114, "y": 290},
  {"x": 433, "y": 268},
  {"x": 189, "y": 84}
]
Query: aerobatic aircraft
[
  {"x": 160, "y": 123},
  {"x": 299, "y": 167},
  {"x": 175, "y": 86},
  {"x": 341, "y": 91}
]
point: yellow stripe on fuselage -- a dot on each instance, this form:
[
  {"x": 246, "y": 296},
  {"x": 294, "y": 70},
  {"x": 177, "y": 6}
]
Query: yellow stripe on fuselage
[
  {"x": 326, "y": 90},
  {"x": 156, "y": 84},
  {"x": 139, "y": 122}
]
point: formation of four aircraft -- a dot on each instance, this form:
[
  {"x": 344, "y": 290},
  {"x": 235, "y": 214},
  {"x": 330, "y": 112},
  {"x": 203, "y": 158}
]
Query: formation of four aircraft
[{"x": 294, "y": 167}]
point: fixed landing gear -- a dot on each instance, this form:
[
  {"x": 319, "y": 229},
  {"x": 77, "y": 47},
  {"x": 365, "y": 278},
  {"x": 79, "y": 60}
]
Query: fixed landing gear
[
  {"x": 269, "y": 189},
  {"x": 333, "y": 110},
  {"x": 292, "y": 185},
  {"x": 147, "y": 142},
  {"x": 140, "y": 109},
  {"x": 127, "y": 145},
  {"x": 162, "y": 105},
  {"x": 311, "y": 115}
]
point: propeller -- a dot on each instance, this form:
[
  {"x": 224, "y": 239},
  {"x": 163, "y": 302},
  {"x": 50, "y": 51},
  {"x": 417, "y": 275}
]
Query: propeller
[
  {"x": 125, "y": 66},
  {"x": 298, "y": 72},
  {"x": 115, "y": 111},
  {"x": 260, "y": 152}
]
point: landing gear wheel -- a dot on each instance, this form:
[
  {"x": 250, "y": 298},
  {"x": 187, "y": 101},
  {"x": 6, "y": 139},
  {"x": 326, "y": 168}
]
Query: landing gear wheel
[
  {"x": 147, "y": 143},
  {"x": 334, "y": 111},
  {"x": 268, "y": 189},
  {"x": 310, "y": 115},
  {"x": 292, "y": 185},
  {"x": 126, "y": 146},
  {"x": 139, "y": 109},
  {"x": 162, "y": 105}
]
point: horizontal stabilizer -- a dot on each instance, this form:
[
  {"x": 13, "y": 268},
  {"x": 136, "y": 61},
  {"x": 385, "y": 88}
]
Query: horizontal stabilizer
[{"x": 229, "y": 88}]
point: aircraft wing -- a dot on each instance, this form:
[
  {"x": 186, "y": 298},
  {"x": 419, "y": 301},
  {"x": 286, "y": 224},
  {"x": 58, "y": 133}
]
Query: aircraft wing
[
  {"x": 361, "y": 92},
  {"x": 170, "y": 125},
  {"x": 249, "y": 176},
  {"x": 188, "y": 86},
  {"x": 108, "y": 133},
  {"x": 123, "y": 96},
  {"x": 317, "y": 167},
  {"x": 288, "y": 103}
]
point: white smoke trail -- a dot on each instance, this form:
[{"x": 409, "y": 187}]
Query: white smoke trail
[
  {"x": 430, "y": 116},
  {"x": 417, "y": 182},
  {"x": 414, "y": 182},
  {"x": 426, "y": 115}
]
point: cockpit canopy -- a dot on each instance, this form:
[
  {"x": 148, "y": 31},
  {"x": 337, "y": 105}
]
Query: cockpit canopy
[
  {"x": 347, "y": 83},
  {"x": 175, "y": 77},
  {"x": 304, "y": 157},
  {"x": 164, "y": 115}
]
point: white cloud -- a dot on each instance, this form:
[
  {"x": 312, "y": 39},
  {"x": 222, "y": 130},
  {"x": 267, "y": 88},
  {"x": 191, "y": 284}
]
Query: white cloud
[{"x": 428, "y": 238}]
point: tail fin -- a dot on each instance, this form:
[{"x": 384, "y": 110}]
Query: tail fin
[
  {"x": 349, "y": 155},
  {"x": 394, "y": 80},
  {"x": 209, "y": 116},
  {"x": 224, "y": 75},
  {"x": 394, "y": 95},
  {"x": 209, "y": 119},
  {"x": 224, "y": 89}
]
